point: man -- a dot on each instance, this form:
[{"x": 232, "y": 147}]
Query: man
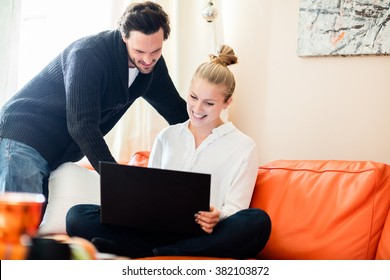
[{"x": 64, "y": 112}]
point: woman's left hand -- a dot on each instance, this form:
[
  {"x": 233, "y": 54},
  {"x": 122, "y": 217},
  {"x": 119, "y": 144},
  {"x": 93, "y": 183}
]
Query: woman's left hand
[{"x": 208, "y": 219}]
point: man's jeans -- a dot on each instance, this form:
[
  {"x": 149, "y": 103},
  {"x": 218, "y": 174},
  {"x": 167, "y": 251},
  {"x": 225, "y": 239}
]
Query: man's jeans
[{"x": 22, "y": 168}]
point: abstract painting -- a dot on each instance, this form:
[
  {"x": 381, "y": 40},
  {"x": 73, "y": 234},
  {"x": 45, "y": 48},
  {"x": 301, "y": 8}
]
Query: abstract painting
[{"x": 344, "y": 27}]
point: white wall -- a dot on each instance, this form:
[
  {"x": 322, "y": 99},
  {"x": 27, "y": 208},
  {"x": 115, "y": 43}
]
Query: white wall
[{"x": 303, "y": 108}]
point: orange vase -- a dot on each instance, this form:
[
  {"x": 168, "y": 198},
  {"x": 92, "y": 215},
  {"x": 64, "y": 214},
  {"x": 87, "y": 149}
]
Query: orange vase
[{"x": 20, "y": 216}]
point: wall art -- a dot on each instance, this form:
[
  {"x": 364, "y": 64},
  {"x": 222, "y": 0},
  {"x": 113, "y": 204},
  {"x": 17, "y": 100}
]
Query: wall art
[{"x": 344, "y": 27}]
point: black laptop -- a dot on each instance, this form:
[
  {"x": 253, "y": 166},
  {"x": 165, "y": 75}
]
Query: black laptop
[{"x": 153, "y": 199}]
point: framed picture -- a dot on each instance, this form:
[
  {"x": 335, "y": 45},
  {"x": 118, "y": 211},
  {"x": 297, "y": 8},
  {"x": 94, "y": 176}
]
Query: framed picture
[{"x": 344, "y": 27}]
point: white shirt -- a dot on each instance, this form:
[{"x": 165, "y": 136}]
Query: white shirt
[
  {"x": 133, "y": 73},
  {"x": 227, "y": 154}
]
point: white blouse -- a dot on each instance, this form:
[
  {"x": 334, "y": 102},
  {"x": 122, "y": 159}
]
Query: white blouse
[{"x": 227, "y": 154}]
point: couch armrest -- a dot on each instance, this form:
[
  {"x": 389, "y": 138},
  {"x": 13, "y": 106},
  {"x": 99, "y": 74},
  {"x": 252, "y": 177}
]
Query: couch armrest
[
  {"x": 140, "y": 158},
  {"x": 383, "y": 252}
]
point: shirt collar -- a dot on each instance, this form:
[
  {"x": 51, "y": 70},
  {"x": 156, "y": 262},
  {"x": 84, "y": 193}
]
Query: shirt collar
[{"x": 218, "y": 131}]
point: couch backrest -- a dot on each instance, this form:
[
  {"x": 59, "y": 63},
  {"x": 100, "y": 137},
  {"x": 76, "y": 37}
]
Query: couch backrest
[{"x": 324, "y": 209}]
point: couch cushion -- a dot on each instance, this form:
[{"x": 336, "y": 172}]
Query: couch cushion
[
  {"x": 323, "y": 209},
  {"x": 69, "y": 184}
]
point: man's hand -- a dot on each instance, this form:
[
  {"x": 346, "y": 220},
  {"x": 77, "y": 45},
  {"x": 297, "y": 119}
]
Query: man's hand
[{"x": 208, "y": 219}]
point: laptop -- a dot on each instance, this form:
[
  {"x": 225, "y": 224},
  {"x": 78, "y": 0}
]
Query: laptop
[{"x": 153, "y": 199}]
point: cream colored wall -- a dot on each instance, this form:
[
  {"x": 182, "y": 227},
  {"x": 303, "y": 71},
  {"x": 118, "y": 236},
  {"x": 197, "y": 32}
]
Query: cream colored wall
[{"x": 303, "y": 108}]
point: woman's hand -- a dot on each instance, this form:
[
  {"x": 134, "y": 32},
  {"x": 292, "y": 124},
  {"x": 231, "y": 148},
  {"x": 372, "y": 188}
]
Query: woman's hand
[{"x": 208, "y": 219}]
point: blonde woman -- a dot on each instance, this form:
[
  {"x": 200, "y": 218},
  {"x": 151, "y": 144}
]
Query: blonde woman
[{"x": 206, "y": 144}]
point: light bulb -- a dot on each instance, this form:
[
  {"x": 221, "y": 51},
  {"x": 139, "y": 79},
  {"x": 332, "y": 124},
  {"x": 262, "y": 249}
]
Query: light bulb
[{"x": 210, "y": 13}]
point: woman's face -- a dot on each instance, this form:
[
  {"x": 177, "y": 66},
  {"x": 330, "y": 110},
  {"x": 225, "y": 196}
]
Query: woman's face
[{"x": 205, "y": 103}]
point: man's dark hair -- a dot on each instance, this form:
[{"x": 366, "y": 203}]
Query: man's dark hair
[{"x": 147, "y": 17}]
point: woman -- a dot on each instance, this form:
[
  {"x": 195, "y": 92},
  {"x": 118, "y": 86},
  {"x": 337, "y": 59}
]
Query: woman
[{"x": 205, "y": 144}]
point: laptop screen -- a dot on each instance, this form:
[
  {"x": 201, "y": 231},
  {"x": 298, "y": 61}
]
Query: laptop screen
[{"x": 144, "y": 198}]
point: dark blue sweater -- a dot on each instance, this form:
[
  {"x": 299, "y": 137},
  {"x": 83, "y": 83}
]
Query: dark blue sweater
[{"x": 65, "y": 110}]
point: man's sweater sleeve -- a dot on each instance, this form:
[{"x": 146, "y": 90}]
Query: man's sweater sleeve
[{"x": 83, "y": 78}]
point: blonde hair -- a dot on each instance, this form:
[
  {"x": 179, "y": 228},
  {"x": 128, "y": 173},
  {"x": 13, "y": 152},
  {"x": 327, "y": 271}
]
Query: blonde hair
[{"x": 216, "y": 71}]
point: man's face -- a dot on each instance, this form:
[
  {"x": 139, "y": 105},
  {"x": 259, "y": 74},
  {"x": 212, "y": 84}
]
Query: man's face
[{"x": 144, "y": 50}]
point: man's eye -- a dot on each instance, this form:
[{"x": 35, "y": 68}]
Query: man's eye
[{"x": 209, "y": 104}]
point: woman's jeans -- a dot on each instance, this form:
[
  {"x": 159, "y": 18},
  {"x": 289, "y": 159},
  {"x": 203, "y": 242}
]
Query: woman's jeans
[
  {"x": 22, "y": 168},
  {"x": 239, "y": 236}
]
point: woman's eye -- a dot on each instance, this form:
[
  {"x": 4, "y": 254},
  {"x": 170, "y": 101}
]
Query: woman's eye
[
  {"x": 209, "y": 104},
  {"x": 193, "y": 96}
]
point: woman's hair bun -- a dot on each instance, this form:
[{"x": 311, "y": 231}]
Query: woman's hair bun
[{"x": 226, "y": 56}]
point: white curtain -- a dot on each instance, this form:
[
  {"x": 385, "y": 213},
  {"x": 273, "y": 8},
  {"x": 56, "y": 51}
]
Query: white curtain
[
  {"x": 9, "y": 42},
  {"x": 135, "y": 131}
]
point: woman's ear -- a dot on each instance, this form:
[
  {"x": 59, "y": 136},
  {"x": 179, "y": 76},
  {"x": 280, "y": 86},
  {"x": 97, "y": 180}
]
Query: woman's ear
[{"x": 228, "y": 102}]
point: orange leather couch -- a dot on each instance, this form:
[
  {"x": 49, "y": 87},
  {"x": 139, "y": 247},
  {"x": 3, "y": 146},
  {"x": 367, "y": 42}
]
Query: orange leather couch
[{"x": 321, "y": 209}]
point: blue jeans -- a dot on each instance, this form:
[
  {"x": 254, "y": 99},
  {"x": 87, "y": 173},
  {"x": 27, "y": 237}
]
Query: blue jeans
[
  {"x": 239, "y": 236},
  {"x": 22, "y": 168}
]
